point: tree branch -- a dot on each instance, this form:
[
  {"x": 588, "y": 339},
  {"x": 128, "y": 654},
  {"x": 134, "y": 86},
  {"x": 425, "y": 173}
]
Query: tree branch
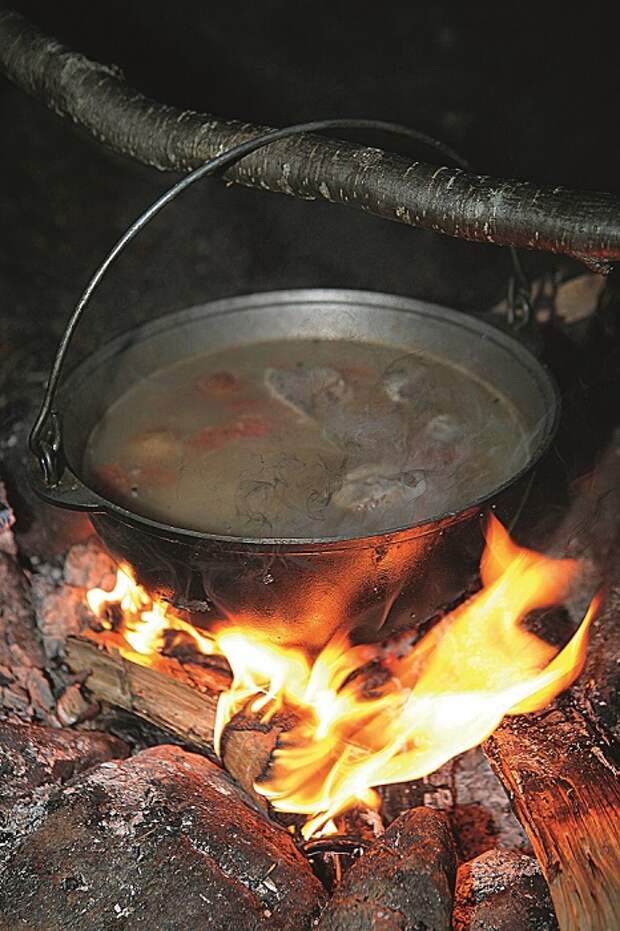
[{"x": 583, "y": 225}]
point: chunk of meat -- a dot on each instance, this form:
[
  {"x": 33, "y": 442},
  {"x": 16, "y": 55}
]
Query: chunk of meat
[
  {"x": 308, "y": 392},
  {"x": 217, "y": 384},
  {"x": 368, "y": 488},
  {"x": 406, "y": 380},
  {"x": 155, "y": 448}
]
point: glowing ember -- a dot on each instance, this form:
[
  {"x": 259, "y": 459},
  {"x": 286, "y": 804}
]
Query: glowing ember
[{"x": 448, "y": 693}]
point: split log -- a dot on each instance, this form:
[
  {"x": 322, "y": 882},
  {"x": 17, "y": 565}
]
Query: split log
[
  {"x": 181, "y": 698},
  {"x": 582, "y": 225},
  {"x": 566, "y": 794},
  {"x": 162, "y": 840},
  {"x": 404, "y": 882},
  {"x": 247, "y": 746},
  {"x": 558, "y": 769},
  {"x": 502, "y": 890}
]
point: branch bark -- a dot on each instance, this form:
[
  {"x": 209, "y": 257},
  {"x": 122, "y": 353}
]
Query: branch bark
[{"x": 582, "y": 225}]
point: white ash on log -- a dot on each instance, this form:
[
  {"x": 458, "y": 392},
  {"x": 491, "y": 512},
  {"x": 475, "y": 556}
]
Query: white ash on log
[
  {"x": 87, "y": 565},
  {"x": 24, "y": 688},
  {"x": 32, "y": 756},
  {"x": 34, "y": 762},
  {"x": 482, "y": 818},
  {"x": 502, "y": 890},
  {"x": 60, "y": 597},
  {"x": 162, "y": 840},
  {"x": 61, "y": 612},
  {"x": 403, "y": 883}
]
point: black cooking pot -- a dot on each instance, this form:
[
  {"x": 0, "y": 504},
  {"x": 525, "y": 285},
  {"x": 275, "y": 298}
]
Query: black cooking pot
[{"x": 297, "y": 590}]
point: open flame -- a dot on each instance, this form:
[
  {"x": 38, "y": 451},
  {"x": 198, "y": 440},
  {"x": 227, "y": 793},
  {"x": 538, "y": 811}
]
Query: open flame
[{"x": 354, "y": 730}]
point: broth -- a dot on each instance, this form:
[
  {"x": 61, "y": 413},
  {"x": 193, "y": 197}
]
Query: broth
[{"x": 304, "y": 439}]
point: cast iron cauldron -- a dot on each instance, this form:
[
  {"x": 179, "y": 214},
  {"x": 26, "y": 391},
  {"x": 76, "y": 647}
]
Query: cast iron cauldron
[{"x": 296, "y": 590}]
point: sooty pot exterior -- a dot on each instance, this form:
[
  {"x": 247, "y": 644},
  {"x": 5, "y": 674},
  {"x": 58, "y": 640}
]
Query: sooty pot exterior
[
  {"x": 303, "y": 595},
  {"x": 302, "y": 591}
]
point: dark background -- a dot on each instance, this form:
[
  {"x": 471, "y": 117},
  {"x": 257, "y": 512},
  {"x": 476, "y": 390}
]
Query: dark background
[{"x": 523, "y": 91}]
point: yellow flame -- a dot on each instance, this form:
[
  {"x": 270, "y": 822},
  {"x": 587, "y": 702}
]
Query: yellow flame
[
  {"x": 144, "y": 621},
  {"x": 445, "y": 696}
]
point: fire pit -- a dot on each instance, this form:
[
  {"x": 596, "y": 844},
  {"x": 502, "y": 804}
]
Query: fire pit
[{"x": 346, "y": 773}]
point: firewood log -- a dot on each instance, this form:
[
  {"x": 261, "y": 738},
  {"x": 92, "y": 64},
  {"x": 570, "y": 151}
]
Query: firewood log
[
  {"x": 502, "y": 890},
  {"x": 162, "y": 840},
  {"x": 32, "y": 756},
  {"x": 404, "y": 882}
]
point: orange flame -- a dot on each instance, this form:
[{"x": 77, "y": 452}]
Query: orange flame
[{"x": 447, "y": 695}]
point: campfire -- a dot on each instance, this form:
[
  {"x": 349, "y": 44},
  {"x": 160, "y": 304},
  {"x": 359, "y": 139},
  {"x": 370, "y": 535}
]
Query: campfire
[
  {"x": 348, "y": 780},
  {"x": 365, "y": 715},
  {"x": 309, "y": 598}
]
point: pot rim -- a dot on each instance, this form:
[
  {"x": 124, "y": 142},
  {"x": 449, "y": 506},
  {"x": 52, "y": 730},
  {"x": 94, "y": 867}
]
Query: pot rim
[{"x": 98, "y": 503}]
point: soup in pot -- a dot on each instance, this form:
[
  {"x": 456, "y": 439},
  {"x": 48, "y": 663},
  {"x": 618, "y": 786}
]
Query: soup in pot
[{"x": 305, "y": 439}]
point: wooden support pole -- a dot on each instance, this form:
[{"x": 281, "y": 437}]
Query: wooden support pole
[{"x": 583, "y": 225}]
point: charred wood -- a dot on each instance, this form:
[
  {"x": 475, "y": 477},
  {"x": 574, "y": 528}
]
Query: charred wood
[
  {"x": 24, "y": 688},
  {"x": 247, "y": 746},
  {"x": 559, "y": 767},
  {"x": 404, "y": 882},
  {"x": 162, "y": 840},
  {"x": 566, "y": 794},
  {"x": 502, "y": 890},
  {"x": 449, "y": 201},
  {"x": 32, "y": 756}
]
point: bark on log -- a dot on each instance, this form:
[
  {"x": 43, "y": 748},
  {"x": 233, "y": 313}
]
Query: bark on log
[
  {"x": 162, "y": 840},
  {"x": 583, "y": 225},
  {"x": 403, "y": 883},
  {"x": 566, "y": 794},
  {"x": 502, "y": 890},
  {"x": 559, "y": 767}
]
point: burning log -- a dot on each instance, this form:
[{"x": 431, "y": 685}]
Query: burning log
[
  {"x": 162, "y": 840},
  {"x": 247, "y": 746},
  {"x": 181, "y": 698},
  {"x": 502, "y": 890},
  {"x": 558, "y": 770},
  {"x": 567, "y": 796},
  {"x": 446, "y": 200},
  {"x": 405, "y": 881}
]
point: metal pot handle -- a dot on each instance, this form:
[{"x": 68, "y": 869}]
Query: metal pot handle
[{"x": 46, "y": 436}]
